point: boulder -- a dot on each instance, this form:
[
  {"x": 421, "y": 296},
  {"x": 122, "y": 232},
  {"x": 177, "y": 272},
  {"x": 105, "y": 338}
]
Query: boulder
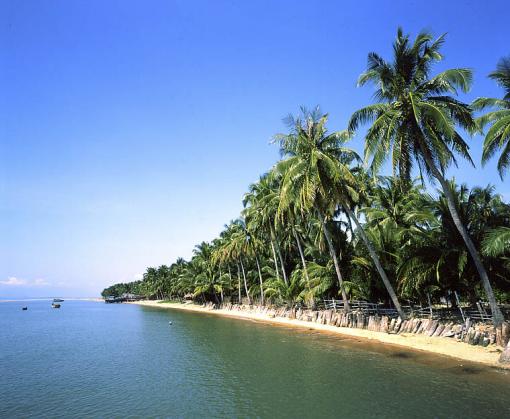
[
  {"x": 439, "y": 330},
  {"x": 505, "y": 355},
  {"x": 384, "y": 325}
]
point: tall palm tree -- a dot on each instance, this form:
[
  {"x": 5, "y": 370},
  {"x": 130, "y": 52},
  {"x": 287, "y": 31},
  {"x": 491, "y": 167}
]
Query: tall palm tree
[
  {"x": 310, "y": 169},
  {"x": 238, "y": 248},
  {"x": 261, "y": 205},
  {"x": 319, "y": 176},
  {"x": 498, "y": 136},
  {"x": 229, "y": 251},
  {"x": 415, "y": 122}
]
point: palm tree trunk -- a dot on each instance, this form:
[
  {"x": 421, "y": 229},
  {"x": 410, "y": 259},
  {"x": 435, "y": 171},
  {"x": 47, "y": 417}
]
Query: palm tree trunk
[
  {"x": 302, "y": 255},
  {"x": 239, "y": 283},
  {"x": 278, "y": 250},
  {"x": 216, "y": 296},
  {"x": 245, "y": 283},
  {"x": 497, "y": 316},
  {"x": 284, "y": 274},
  {"x": 260, "y": 279},
  {"x": 376, "y": 260},
  {"x": 350, "y": 228},
  {"x": 275, "y": 261},
  {"x": 335, "y": 262}
]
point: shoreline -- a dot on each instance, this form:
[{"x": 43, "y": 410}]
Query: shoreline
[{"x": 487, "y": 356}]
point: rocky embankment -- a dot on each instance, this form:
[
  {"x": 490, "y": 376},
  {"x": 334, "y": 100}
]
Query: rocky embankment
[{"x": 471, "y": 333}]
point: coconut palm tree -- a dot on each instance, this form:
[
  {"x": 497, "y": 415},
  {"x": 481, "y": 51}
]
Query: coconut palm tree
[
  {"x": 310, "y": 169},
  {"x": 323, "y": 163},
  {"x": 228, "y": 252},
  {"x": 415, "y": 122},
  {"x": 497, "y": 241},
  {"x": 261, "y": 205},
  {"x": 498, "y": 136}
]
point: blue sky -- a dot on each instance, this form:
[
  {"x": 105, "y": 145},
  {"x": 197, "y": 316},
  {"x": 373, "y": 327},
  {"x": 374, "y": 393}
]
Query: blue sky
[{"x": 129, "y": 131}]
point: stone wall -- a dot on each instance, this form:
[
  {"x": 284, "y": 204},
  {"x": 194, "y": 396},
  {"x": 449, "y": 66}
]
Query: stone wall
[{"x": 468, "y": 332}]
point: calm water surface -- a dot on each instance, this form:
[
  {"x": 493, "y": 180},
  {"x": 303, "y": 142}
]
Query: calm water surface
[{"x": 96, "y": 360}]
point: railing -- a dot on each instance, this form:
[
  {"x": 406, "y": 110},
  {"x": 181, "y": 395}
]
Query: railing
[
  {"x": 364, "y": 306},
  {"x": 379, "y": 309},
  {"x": 480, "y": 312}
]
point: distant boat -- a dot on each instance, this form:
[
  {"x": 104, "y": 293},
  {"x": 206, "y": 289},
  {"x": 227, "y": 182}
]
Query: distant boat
[
  {"x": 58, "y": 300},
  {"x": 24, "y": 308},
  {"x": 54, "y": 305}
]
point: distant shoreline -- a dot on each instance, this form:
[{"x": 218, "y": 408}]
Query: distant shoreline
[
  {"x": 436, "y": 345},
  {"x": 14, "y": 300}
]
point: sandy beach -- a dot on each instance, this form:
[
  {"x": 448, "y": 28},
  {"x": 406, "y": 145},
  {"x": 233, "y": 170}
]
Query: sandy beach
[{"x": 443, "y": 346}]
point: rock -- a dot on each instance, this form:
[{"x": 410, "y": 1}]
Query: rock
[
  {"x": 505, "y": 333},
  {"x": 292, "y": 313},
  {"x": 432, "y": 328},
  {"x": 398, "y": 324},
  {"x": 505, "y": 355},
  {"x": 476, "y": 338},
  {"x": 447, "y": 329},
  {"x": 425, "y": 324},
  {"x": 439, "y": 330},
  {"x": 384, "y": 324},
  {"x": 392, "y": 325},
  {"x": 472, "y": 333}
]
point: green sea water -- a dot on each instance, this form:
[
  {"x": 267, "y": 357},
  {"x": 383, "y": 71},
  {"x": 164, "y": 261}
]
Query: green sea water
[{"x": 91, "y": 359}]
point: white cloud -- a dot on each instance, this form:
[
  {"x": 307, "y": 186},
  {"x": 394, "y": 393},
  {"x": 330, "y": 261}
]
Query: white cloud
[
  {"x": 138, "y": 277},
  {"x": 12, "y": 281}
]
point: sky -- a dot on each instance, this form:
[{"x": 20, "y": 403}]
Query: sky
[{"x": 129, "y": 130}]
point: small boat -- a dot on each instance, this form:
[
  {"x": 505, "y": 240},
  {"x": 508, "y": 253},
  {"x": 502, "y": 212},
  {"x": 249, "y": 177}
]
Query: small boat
[
  {"x": 24, "y": 308},
  {"x": 58, "y": 300},
  {"x": 55, "y": 305}
]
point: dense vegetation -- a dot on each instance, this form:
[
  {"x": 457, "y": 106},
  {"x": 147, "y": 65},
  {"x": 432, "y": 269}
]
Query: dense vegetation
[{"x": 323, "y": 224}]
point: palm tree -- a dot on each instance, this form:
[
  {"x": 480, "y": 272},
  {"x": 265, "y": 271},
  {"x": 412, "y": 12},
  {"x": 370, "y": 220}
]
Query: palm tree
[
  {"x": 498, "y": 136},
  {"x": 261, "y": 205},
  {"x": 237, "y": 247},
  {"x": 228, "y": 252},
  {"x": 310, "y": 170},
  {"x": 323, "y": 162},
  {"x": 415, "y": 122},
  {"x": 497, "y": 241}
]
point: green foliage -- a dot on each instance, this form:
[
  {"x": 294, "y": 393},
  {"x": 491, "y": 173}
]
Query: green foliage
[{"x": 319, "y": 180}]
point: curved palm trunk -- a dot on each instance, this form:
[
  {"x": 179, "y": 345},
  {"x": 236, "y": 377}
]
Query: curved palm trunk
[
  {"x": 498, "y": 318},
  {"x": 284, "y": 274},
  {"x": 376, "y": 260},
  {"x": 302, "y": 255},
  {"x": 260, "y": 279},
  {"x": 335, "y": 262},
  {"x": 245, "y": 283}
]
